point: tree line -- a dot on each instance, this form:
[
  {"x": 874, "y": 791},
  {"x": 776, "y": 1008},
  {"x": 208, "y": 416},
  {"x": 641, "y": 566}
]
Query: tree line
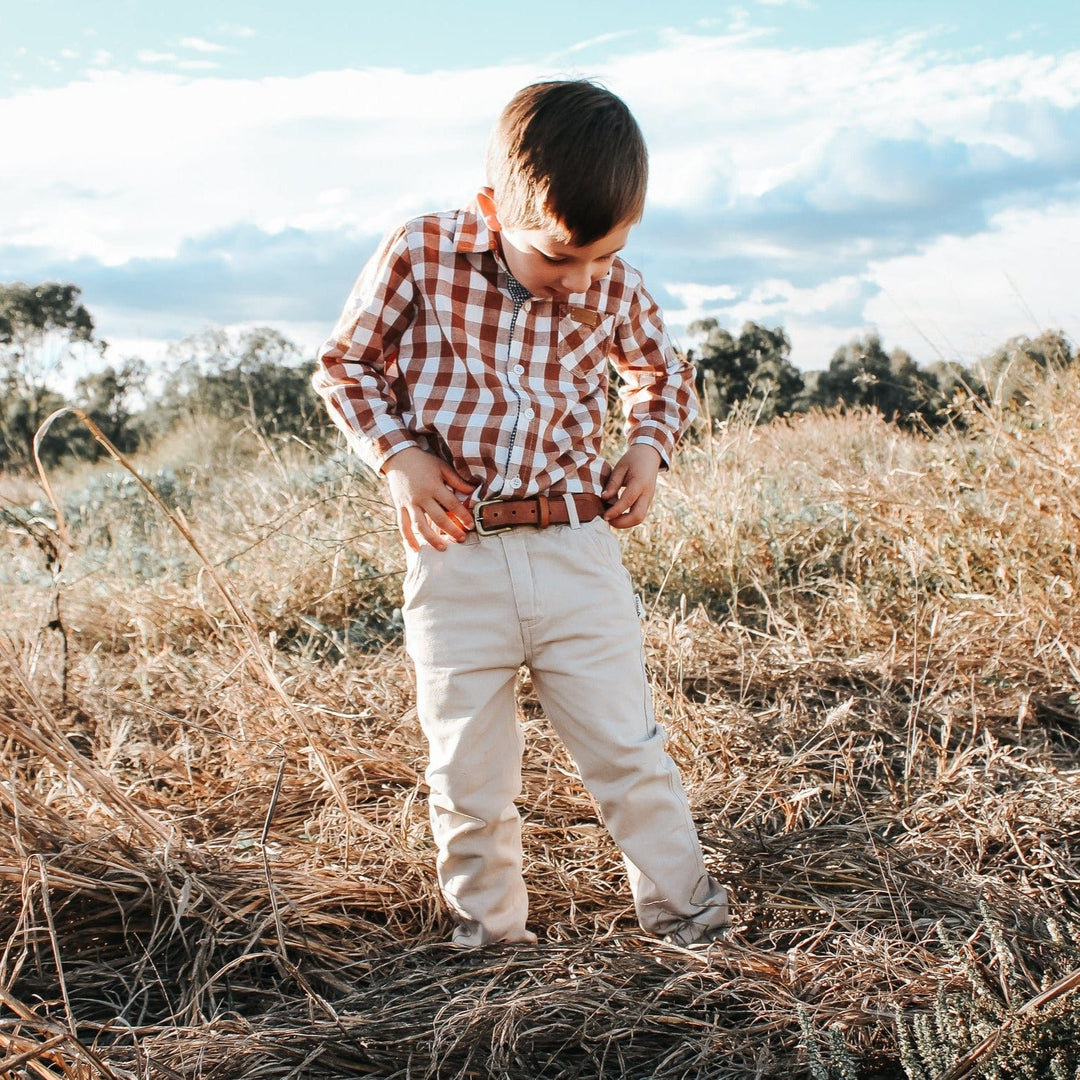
[
  {"x": 753, "y": 371},
  {"x": 259, "y": 380}
]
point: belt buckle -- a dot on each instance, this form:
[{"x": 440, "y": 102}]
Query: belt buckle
[{"x": 480, "y": 528}]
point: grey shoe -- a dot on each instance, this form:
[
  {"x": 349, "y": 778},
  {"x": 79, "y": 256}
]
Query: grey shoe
[{"x": 691, "y": 933}]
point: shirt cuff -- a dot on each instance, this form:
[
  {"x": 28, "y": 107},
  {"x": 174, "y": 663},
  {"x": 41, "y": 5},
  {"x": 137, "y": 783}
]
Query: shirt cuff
[
  {"x": 388, "y": 443},
  {"x": 396, "y": 449},
  {"x": 660, "y": 439},
  {"x": 375, "y": 452}
]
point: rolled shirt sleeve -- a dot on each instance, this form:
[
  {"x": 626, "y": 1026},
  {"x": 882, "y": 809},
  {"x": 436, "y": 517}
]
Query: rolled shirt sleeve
[
  {"x": 657, "y": 388},
  {"x": 355, "y": 373}
]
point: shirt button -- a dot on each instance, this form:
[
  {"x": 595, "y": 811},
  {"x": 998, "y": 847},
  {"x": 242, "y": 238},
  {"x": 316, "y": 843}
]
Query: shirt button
[
  {"x": 519, "y": 369},
  {"x": 528, "y": 414},
  {"x": 515, "y": 483}
]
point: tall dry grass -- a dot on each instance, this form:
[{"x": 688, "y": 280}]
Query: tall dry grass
[{"x": 215, "y": 859}]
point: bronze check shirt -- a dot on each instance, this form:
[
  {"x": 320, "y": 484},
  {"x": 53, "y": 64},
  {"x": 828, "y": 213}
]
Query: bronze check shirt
[{"x": 437, "y": 349}]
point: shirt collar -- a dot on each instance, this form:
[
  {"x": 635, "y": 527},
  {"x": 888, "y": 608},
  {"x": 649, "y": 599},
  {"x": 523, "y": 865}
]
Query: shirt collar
[{"x": 471, "y": 233}]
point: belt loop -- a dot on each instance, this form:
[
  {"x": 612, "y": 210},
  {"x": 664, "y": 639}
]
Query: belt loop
[
  {"x": 545, "y": 511},
  {"x": 571, "y": 511}
]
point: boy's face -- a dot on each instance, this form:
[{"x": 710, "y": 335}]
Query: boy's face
[{"x": 547, "y": 267}]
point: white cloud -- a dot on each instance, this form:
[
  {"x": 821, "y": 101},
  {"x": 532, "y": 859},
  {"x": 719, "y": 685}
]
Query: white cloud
[
  {"x": 961, "y": 298},
  {"x": 738, "y": 129},
  {"x": 809, "y": 314},
  {"x": 234, "y": 30},
  {"x": 695, "y": 296},
  {"x": 769, "y": 112},
  {"x": 202, "y": 45},
  {"x": 773, "y": 297},
  {"x": 212, "y": 152},
  {"x": 601, "y": 39},
  {"x": 739, "y": 19}
]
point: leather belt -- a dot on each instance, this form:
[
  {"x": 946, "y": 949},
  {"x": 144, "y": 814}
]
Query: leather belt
[{"x": 498, "y": 515}]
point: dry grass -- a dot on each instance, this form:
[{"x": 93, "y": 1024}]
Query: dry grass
[{"x": 215, "y": 857}]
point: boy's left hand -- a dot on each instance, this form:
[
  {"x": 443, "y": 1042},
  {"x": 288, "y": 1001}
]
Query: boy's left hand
[{"x": 632, "y": 485}]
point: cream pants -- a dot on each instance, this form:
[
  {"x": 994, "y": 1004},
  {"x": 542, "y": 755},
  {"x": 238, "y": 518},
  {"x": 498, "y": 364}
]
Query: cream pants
[{"x": 560, "y": 601}]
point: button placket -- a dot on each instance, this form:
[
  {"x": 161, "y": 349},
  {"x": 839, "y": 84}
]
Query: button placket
[{"x": 522, "y": 301}]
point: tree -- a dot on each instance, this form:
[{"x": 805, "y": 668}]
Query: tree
[
  {"x": 1023, "y": 361},
  {"x": 112, "y": 399},
  {"x": 1050, "y": 350},
  {"x": 257, "y": 379},
  {"x": 956, "y": 381},
  {"x": 42, "y": 328},
  {"x": 862, "y": 374},
  {"x": 753, "y": 368}
]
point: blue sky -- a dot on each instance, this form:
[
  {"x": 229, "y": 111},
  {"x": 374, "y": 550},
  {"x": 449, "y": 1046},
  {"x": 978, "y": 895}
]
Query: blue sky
[{"x": 832, "y": 167}]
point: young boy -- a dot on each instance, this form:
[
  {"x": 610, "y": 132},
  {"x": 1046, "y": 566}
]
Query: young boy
[{"x": 470, "y": 368}]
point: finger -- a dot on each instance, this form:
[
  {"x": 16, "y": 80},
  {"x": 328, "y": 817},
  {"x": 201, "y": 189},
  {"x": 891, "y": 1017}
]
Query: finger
[
  {"x": 459, "y": 512},
  {"x": 405, "y": 528},
  {"x": 635, "y": 515},
  {"x": 615, "y": 481},
  {"x": 434, "y": 537},
  {"x": 455, "y": 480},
  {"x": 463, "y": 516},
  {"x": 421, "y": 523},
  {"x": 446, "y": 520},
  {"x": 630, "y": 494}
]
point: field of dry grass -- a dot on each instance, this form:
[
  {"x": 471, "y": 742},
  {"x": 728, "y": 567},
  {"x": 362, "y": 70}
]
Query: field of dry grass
[{"x": 214, "y": 856}]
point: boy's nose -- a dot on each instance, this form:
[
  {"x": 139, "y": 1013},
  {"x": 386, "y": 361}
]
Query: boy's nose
[{"x": 578, "y": 279}]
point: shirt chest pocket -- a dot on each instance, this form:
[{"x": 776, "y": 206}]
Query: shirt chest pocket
[{"x": 585, "y": 344}]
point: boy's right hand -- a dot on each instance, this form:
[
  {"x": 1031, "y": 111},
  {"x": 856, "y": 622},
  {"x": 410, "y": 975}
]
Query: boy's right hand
[{"x": 422, "y": 487}]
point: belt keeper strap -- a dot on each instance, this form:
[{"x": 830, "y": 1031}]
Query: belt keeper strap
[
  {"x": 545, "y": 511},
  {"x": 571, "y": 511}
]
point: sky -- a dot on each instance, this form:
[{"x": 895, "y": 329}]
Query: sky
[{"x": 829, "y": 166}]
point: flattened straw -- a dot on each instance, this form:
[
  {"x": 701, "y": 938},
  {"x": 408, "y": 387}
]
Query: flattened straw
[
  {"x": 40, "y": 1023},
  {"x": 266, "y": 858},
  {"x": 9, "y": 1065},
  {"x": 233, "y": 602},
  {"x": 144, "y": 1065},
  {"x": 71, "y": 1035},
  {"x": 47, "y": 907},
  {"x": 291, "y": 969},
  {"x": 91, "y": 777}
]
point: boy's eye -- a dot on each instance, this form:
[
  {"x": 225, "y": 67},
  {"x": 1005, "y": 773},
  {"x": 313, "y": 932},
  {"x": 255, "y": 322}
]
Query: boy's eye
[{"x": 556, "y": 259}]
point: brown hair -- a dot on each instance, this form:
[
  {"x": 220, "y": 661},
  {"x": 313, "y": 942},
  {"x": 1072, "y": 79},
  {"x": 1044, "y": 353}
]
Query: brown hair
[{"x": 568, "y": 154}]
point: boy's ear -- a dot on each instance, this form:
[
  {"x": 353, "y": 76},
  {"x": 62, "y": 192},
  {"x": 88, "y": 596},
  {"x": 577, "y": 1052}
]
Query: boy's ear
[{"x": 485, "y": 200}]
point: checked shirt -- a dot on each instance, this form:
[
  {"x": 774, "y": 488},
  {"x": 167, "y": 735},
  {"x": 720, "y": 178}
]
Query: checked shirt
[{"x": 438, "y": 347}]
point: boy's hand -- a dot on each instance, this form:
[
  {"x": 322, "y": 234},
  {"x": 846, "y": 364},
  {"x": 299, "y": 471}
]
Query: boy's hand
[
  {"x": 422, "y": 487},
  {"x": 633, "y": 480}
]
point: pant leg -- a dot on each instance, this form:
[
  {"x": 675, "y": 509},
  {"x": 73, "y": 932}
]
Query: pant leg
[
  {"x": 586, "y": 656},
  {"x": 462, "y": 636}
]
